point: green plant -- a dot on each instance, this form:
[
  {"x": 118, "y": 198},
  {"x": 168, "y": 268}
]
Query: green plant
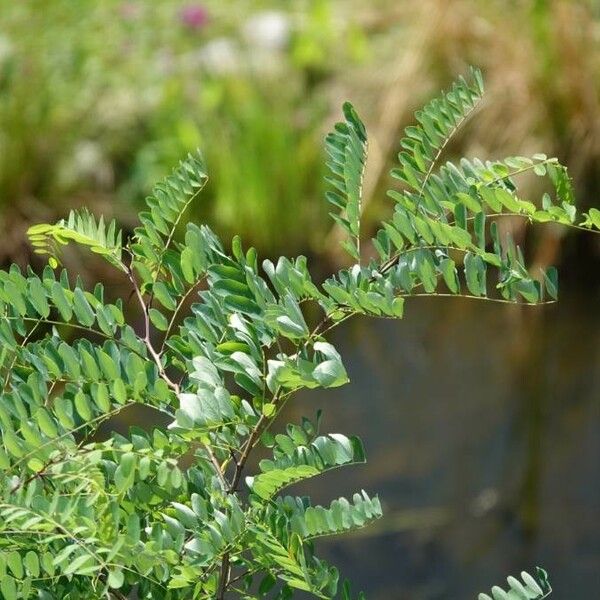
[
  {"x": 528, "y": 588},
  {"x": 89, "y": 518}
]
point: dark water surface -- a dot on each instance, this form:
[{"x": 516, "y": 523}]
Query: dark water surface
[{"x": 482, "y": 429}]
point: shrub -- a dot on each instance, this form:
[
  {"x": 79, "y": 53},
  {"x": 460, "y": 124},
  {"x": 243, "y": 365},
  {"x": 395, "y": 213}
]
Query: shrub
[{"x": 89, "y": 518}]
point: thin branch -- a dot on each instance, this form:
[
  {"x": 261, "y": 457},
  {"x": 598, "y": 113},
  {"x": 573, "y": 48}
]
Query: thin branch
[
  {"x": 471, "y": 297},
  {"x": 240, "y": 464},
  {"x": 176, "y": 312},
  {"x": 60, "y": 324},
  {"x": 143, "y": 306},
  {"x": 153, "y": 353},
  {"x": 216, "y": 465}
]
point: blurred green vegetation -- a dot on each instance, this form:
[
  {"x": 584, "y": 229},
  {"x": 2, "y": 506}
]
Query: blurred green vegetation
[{"x": 99, "y": 99}]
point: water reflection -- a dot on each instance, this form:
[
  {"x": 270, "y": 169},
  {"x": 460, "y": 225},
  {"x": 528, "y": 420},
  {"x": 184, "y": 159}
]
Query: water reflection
[{"x": 481, "y": 426}]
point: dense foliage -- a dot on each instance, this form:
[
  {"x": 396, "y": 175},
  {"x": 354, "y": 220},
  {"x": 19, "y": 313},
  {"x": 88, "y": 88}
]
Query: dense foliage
[{"x": 173, "y": 513}]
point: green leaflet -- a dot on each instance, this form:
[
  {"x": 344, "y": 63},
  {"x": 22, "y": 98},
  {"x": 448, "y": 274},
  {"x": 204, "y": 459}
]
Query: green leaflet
[
  {"x": 8, "y": 588},
  {"x": 82, "y": 308},
  {"x": 158, "y": 319}
]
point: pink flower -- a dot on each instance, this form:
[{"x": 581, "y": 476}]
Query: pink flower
[
  {"x": 194, "y": 16},
  {"x": 131, "y": 11}
]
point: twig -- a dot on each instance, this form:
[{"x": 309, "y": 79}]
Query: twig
[
  {"x": 153, "y": 353},
  {"x": 239, "y": 464},
  {"x": 176, "y": 312},
  {"x": 217, "y": 466}
]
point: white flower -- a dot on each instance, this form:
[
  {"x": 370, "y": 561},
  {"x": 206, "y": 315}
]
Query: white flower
[
  {"x": 269, "y": 30},
  {"x": 220, "y": 56}
]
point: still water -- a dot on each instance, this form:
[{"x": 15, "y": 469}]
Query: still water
[{"x": 482, "y": 429}]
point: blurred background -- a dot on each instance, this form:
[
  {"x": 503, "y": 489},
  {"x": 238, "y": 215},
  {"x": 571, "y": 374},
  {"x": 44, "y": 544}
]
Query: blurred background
[{"x": 481, "y": 423}]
